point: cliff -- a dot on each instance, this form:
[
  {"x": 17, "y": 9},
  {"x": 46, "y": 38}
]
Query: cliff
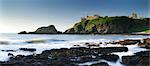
[
  {"x": 101, "y": 25},
  {"x": 109, "y": 25}
]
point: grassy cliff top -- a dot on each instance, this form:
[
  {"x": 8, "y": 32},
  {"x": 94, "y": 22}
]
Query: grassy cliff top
[{"x": 137, "y": 25}]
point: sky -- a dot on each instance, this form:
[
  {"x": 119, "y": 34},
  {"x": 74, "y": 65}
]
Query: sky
[{"x": 28, "y": 15}]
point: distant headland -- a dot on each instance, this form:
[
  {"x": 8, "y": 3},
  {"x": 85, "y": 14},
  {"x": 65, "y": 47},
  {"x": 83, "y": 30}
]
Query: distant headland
[{"x": 102, "y": 25}]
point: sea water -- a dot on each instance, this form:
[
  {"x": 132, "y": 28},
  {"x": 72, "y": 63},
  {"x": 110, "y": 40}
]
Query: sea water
[{"x": 13, "y": 41}]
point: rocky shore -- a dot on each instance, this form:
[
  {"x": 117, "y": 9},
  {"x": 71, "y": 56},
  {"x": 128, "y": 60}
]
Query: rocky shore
[{"x": 77, "y": 55}]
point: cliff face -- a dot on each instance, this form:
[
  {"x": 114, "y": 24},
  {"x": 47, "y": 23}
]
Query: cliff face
[{"x": 110, "y": 25}]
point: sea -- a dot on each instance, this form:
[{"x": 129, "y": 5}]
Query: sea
[{"x": 41, "y": 42}]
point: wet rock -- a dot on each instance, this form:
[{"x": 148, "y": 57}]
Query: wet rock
[
  {"x": 41, "y": 56},
  {"x": 87, "y": 58},
  {"x": 143, "y": 53},
  {"x": 65, "y": 56},
  {"x": 100, "y": 64},
  {"x": 100, "y": 43},
  {"x": 28, "y": 49},
  {"x": 19, "y": 57},
  {"x": 60, "y": 63},
  {"x": 10, "y": 54},
  {"x": 147, "y": 41},
  {"x": 76, "y": 45},
  {"x": 92, "y": 45},
  {"x": 37, "y": 64},
  {"x": 106, "y": 50},
  {"x": 128, "y": 42},
  {"x": 110, "y": 57},
  {"x": 139, "y": 59},
  {"x": 8, "y": 50},
  {"x": 6, "y": 64},
  {"x": 145, "y": 44}
]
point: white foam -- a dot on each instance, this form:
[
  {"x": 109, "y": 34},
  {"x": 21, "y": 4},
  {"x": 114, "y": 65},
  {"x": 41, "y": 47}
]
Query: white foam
[
  {"x": 4, "y": 56},
  {"x": 94, "y": 62},
  {"x": 39, "y": 47},
  {"x": 131, "y": 50}
]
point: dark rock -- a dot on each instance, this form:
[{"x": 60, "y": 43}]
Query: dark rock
[
  {"x": 76, "y": 45},
  {"x": 140, "y": 59},
  {"x": 71, "y": 30},
  {"x": 28, "y": 49},
  {"x": 10, "y": 54},
  {"x": 143, "y": 53},
  {"x": 37, "y": 64},
  {"x": 110, "y": 57},
  {"x": 147, "y": 41},
  {"x": 106, "y": 50},
  {"x": 8, "y": 50},
  {"x": 46, "y": 30},
  {"x": 60, "y": 63},
  {"x": 127, "y": 42},
  {"x": 7, "y": 64},
  {"x": 145, "y": 44},
  {"x": 92, "y": 45},
  {"x": 65, "y": 56},
  {"x": 23, "y": 32},
  {"x": 59, "y": 32},
  {"x": 86, "y": 58},
  {"x": 100, "y": 43},
  {"x": 100, "y": 64}
]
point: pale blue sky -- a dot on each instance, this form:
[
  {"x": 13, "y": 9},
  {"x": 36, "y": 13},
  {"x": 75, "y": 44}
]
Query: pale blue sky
[{"x": 19, "y": 15}]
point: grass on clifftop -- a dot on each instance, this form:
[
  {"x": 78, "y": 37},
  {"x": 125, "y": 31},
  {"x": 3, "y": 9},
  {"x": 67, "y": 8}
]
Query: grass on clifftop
[
  {"x": 147, "y": 31},
  {"x": 101, "y": 20}
]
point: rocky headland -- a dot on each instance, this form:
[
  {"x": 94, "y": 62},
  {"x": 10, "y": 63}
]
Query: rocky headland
[
  {"x": 109, "y": 25},
  {"x": 43, "y": 30},
  {"x": 101, "y": 25}
]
